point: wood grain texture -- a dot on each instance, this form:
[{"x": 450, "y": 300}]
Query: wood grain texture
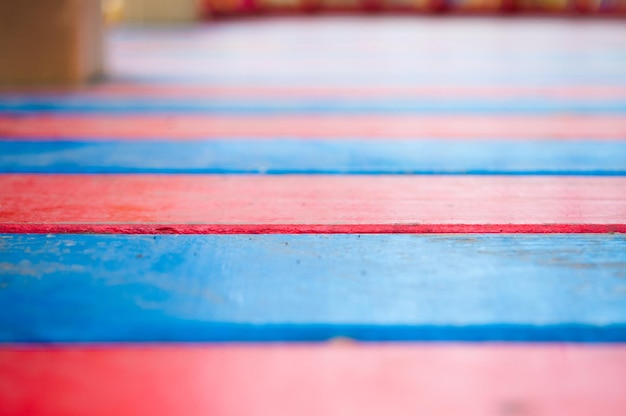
[
  {"x": 116, "y": 288},
  {"x": 190, "y": 127},
  {"x": 304, "y": 203},
  {"x": 328, "y": 380},
  {"x": 482, "y": 157}
]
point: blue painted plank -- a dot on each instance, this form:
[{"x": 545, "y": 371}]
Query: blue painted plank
[
  {"x": 318, "y": 157},
  {"x": 90, "y": 288},
  {"x": 89, "y": 104}
]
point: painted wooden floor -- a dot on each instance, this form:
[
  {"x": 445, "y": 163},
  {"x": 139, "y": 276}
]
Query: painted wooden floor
[
  {"x": 374, "y": 157},
  {"x": 55, "y": 105},
  {"x": 326, "y": 216},
  {"x": 310, "y": 287},
  {"x": 336, "y": 379},
  {"x": 179, "y": 127},
  {"x": 312, "y": 203}
]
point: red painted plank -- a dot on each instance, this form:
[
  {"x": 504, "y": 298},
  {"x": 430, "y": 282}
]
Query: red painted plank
[
  {"x": 182, "y": 127},
  {"x": 340, "y": 379},
  {"x": 313, "y": 203}
]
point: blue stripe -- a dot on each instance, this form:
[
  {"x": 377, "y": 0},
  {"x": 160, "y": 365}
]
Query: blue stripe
[
  {"x": 82, "y": 104},
  {"x": 318, "y": 157},
  {"x": 90, "y": 288}
]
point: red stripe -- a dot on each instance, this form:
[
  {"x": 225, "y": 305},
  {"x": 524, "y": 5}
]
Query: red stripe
[
  {"x": 293, "y": 203},
  {"x": 138, "y": 127},
  {"x": 311, "y": 228},
  {"x": 337, "y": 379}
]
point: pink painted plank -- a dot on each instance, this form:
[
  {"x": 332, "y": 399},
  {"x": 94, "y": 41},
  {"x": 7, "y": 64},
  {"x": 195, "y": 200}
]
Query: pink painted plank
[
  {"x": 310, "y": 203},
  {"x": 188, "y": 127},
  {"x": 336, "y": 379},
  {"x": 588, "y": 92}
]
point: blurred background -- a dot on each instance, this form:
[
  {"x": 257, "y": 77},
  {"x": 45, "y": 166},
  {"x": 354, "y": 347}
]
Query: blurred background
[{"x": 185, "y": 9}]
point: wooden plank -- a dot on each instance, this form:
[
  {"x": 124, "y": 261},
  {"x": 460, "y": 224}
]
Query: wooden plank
[
  {"x": 296, "y": 204},
  {"x": 80, "y": 104},
  {"x": 118, "y": 89},
  {"x": 121, "y": 288},
  {"x": 315, "y": 380},
  {"x": 190, "y": 127},
  {"x": 484, "y": 157}
]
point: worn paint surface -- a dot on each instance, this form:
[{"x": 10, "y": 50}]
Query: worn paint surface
[
  {"x": 71, "y": 288},
  {"x": 528, "y": 97},
  {"x": 293, "y": 203},
  {"x": 344, "y": 95},
  {"x": 492, "y": 380},
  {"x": 318, "y": 157},
  {"x": 202, "y": 127}
]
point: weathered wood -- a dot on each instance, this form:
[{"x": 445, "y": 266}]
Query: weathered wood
[
  {"x": 315, "y": 380},
  {"x": 296, "y": 204},
  {"x": 92, "y": 288},
  {"x": 203, "y": 127},
  {"x": 484, "y": 157},
  {"x": 50, "y": 41}
]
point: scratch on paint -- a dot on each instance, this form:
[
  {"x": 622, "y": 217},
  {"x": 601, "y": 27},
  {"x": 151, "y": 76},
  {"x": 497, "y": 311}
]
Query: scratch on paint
[{"x": 26, "y": 268}]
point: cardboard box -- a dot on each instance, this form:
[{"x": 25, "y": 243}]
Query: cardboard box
[{"x": 50, "y": 41}]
